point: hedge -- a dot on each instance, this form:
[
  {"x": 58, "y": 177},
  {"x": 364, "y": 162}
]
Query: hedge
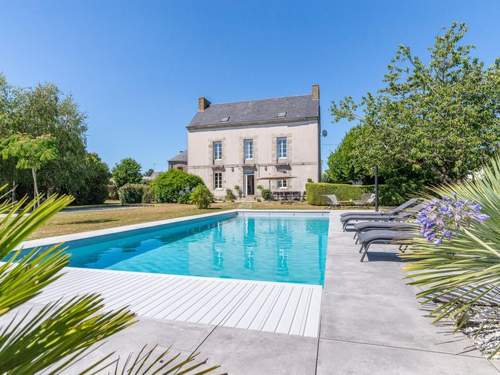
[{"x": 343, "y": 192}]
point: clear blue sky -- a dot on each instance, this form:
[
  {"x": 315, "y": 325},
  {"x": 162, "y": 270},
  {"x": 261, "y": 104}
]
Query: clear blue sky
[{"x": 137, "y": 68}]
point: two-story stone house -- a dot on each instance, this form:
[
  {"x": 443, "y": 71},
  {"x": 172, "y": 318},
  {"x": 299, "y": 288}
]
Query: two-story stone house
[{"x": 274, "y": 143}]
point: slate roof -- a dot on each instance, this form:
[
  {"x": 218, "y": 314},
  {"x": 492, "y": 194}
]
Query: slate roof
[
  {"x": 297, "y": 108},
  {"x": 180, "y": 157}
]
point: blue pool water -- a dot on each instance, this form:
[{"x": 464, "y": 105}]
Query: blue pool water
[{"x": 271, "y": 248}]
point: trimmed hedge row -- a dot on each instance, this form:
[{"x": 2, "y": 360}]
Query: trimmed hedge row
[{"x": 343, "y": 192}]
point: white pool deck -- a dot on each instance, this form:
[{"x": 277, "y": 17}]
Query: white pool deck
[{"x": 276, "y": 307}]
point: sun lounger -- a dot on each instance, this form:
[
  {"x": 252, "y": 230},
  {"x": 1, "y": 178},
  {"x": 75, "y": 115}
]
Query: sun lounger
[
  {"x": 365, "y": 200},
  {"x": 332, "y": 200},
  {"x": 387, "y": 237},
  {"x": 400, "y": 216},
  {"x": 394, "y": 211},
  {"x": 366, "y": 226}
]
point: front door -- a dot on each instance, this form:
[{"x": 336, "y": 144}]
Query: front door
[{"x": 249, "y": 184}]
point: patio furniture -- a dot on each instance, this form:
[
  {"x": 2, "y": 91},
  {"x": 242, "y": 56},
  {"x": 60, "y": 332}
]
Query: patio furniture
[
  {"x": 286, "y": 195},
  {"x": 332, "y": 200},
  {"x": 394, "y": 211},
  {"x": 385, "y": 237},
  {"x": 367, "y": 226},
  {"x": 400, "y": 216},
  {"x": 365, "y": 199}
]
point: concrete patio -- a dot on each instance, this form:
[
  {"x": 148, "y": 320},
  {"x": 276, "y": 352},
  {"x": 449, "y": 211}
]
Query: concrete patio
[{"x": 371, "y": 323}]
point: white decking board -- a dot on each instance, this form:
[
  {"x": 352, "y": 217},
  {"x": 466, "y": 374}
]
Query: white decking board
[{"x": 259, "y": 305}]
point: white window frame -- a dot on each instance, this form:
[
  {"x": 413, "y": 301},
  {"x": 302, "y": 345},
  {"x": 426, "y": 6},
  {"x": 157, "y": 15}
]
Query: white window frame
[
  {"x": 217, "y": 150},
  {"x": 282, "y": 147},
  {"x": 282, "y": 184},
  {"x": 248, "y": 149},
  {"x": 217, "y": 180}
]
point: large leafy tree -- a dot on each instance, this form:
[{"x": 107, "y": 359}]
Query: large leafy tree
[
  {"x": 346, "y": 164},
  {"x": 31, "y": 153},
  {"x": 44, "y": 110},
  {"x": 127, "y": 171},
  {"x": 432, "y": 122}
]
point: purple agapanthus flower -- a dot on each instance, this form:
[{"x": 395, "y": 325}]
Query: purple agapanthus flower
[{"x": 440, "y": 219}]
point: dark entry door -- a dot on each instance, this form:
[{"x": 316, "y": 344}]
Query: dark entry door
[{"x": 250, "y": 184}]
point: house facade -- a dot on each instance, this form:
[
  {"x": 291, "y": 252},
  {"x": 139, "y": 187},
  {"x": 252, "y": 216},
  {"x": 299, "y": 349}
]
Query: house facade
[{"x": 272, "y": 143}]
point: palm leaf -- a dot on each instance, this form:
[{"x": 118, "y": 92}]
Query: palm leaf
[
  {"x": 60, "y": 333},
  {"x": 464, "y": 272}
]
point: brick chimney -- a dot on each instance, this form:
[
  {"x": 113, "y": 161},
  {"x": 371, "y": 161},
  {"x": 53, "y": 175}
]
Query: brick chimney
[
  {"x": 203, "y": 104},
  {"x": 315, "y": 92}
]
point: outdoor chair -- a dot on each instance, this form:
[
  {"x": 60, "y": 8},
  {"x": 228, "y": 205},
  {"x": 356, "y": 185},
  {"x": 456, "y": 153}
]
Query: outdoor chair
[
  {"x": 349, "y": 221},
  {"x": 385, "y": 237},
  {"x": 394, "y": 211},
  {"x": 332, "y": 200},
  {"x": 365, "y": 200},
  {"x": 367, "y": 226}
]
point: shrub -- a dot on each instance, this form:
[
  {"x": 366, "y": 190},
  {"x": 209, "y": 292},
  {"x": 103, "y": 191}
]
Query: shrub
[
  {"x": 94, "y": 178},
  {"x": 201, "y": 196},
  {"x": 147, "y": 194},
  {"x": 174, "y": 186},
  {"x": 113, "y": 192},
  {"x": 230, "y": 197},
  {"x": 238, "y": 191},
  {"x": 454, "y": 261},
  {"x": 343, "y": 192},
  {"x": 266, "y": 194},
  {"x": 132, "y": 193}
]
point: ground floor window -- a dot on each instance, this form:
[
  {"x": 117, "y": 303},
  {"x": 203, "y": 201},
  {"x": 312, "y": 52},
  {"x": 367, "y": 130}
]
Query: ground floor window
[
  {"x": 218, "y": 180},
  {"x": 282, "y": 184}
]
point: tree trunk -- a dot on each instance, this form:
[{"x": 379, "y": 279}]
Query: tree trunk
[{"x": 35, "y": 186}]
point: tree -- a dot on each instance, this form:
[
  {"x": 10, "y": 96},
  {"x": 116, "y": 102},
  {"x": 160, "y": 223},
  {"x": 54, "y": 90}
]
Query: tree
[
  {"x": 431, "y": 123},
  {"x": 127, "y": 171},
  {"x": 30, "y": 153},
  {"x": 149, "y": 172},
  {"x": 60, "y": 333},
  {"x": 346, "y": 163},
  {"x": 95, "y": 178},
  {"x": 44, "y": 110}
]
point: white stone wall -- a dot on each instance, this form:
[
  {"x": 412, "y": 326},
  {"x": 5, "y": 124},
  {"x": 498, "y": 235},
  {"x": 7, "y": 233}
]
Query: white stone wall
[{"x": 303, "y": 155}]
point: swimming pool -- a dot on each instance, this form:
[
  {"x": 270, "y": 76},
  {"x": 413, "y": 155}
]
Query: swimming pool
[{"x": 275, "y": 247}]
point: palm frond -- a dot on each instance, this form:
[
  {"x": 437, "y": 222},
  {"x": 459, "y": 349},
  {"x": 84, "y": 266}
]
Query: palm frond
[
  {"x": 62, "y": 332},
  {"x": 149, "y": 362},
  {"x": 56, "y": 331},
  {"x": 463, "y": 273}
]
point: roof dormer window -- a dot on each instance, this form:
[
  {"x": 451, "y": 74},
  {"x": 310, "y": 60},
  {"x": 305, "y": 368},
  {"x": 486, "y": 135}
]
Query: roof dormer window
[{"x": 281, "y": 114}]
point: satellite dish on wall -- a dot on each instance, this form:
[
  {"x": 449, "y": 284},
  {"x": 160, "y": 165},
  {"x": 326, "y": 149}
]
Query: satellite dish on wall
[{"x": 324, "y": 132}]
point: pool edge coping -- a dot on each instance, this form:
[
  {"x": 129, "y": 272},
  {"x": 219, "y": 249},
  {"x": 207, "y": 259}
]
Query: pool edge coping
[{"x": 45, "y": 241}]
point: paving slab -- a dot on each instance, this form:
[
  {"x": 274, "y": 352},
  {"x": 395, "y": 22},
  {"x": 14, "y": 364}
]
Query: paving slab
[
  {"x": 337, "y": 357},
  {"x": 182, "y": 336},
  {"x": 245, "y": 352},
  {"x": 387, "y": 321}
]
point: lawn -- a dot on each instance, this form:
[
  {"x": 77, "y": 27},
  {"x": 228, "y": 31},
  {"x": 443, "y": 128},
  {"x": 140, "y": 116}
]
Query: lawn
[{"x": 81, "y": 221}]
